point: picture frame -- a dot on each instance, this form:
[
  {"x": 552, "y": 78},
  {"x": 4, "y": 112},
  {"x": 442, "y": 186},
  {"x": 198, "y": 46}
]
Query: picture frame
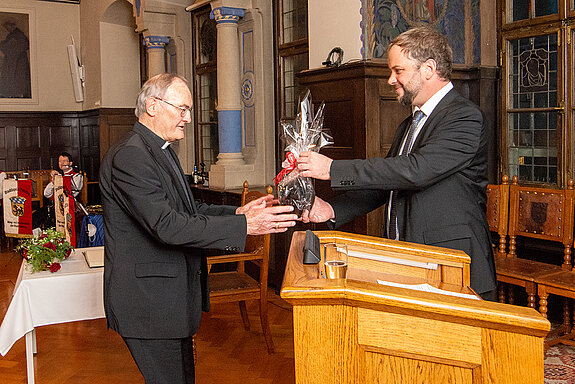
[
  {"x": 18, "y": 74},
  {"x": 64, "y": 1}
]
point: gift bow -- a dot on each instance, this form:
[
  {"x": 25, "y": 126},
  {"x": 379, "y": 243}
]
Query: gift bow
[{"x": 292, "y": 162}]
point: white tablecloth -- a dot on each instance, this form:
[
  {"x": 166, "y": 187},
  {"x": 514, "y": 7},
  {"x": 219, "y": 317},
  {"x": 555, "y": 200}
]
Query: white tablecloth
[{"x": 42, "y": 298}]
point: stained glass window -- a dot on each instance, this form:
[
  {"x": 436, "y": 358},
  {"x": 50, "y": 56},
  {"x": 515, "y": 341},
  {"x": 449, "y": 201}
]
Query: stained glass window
[
  {"x": 532, "y": 116},
  {"x": 528, "y": 9},
  {"x": 205, "y": 88},
  {"x": 293, "y": 52}
]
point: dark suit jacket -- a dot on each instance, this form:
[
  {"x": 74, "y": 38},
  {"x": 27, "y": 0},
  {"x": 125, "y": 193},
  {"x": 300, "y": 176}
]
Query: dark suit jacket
[
  {"x": 440, "y": 186},
  {"x": 154, "y": 283}
]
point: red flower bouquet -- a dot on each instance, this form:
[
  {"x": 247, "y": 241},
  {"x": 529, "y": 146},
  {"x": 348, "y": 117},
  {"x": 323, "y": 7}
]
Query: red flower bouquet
[{"x": 45, "y": 252}]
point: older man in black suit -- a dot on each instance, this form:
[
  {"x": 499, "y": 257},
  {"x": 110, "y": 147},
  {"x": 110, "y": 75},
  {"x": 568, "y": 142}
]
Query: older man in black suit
[
  {"x": 434, "y": 177},
  {"x": 155, "y": 279}
]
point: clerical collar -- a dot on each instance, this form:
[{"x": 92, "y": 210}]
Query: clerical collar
[{"x": 166, "y": 145}]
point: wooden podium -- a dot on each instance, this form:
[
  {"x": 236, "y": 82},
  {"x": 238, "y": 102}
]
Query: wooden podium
[{"x": 360, "y": 331}]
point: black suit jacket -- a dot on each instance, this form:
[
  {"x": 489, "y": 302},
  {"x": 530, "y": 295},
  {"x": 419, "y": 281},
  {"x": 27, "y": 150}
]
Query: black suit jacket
[
  {"x": 440, "y": 186},
  {"x": 154, "y": 283}
]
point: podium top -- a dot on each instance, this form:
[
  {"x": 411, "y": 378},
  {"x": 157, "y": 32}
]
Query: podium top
[{"x": 371, "y": 259}]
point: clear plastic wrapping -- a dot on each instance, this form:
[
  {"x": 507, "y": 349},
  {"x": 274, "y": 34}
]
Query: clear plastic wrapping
[{"x": 305, "y": 133}]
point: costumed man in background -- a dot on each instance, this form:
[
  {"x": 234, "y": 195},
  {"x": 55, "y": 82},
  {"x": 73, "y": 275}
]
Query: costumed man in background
[
  {"x": 434, "y": 177},
  {"x": 45, "y": 216},
  {"x": 66, "y": 169},
  {"x": 155, "y": 274}
]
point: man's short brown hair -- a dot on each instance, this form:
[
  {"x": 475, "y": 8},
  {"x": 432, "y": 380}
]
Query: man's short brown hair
[{"x": 424, "y": 43}]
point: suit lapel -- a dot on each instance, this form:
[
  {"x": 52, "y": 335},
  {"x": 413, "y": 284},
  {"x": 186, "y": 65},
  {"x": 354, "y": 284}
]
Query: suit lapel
[
  {"x": 429, "y": 123},
  {"x": 399, "y": 135}
]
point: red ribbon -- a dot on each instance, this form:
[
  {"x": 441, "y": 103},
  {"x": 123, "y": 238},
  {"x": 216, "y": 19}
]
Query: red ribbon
[{"x": 292, "y": 161}]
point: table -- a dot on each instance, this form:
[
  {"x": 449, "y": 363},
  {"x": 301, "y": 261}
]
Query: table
[{"x": 43, "y": 298}]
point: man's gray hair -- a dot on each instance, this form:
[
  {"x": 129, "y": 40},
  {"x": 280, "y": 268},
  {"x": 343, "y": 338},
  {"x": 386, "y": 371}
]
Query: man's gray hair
[{"x": 156, "y": 86}]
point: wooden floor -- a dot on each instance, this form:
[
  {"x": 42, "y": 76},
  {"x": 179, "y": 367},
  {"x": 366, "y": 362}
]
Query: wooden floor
[{"x": 85, "y": 352}]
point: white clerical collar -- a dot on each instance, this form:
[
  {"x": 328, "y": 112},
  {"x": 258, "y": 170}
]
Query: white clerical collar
[
  {"x": 166, "y": 145},
  {"x": 430, "y": 104}
]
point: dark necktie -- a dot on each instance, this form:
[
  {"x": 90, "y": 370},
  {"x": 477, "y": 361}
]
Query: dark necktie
[
  {"x": 171, "y": 156},
  {"x": 393, "y": 232}
]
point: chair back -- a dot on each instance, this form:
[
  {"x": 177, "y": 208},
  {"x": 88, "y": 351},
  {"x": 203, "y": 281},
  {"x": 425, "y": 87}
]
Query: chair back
[
  {"x": 498, "y": 212},
  {"x": 255, "y": 243},
  {"x": 542, "y": 213},
  {"x": 40, "y": 178},
  {"x": 84, "y": 191}
]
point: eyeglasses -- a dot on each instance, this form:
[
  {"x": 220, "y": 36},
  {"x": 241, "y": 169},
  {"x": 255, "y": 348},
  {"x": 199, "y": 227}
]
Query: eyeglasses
[{"x": 182, "y": 109}]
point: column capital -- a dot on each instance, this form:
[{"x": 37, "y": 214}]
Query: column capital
[
  {"x": 226, "y": 14},
  {"x": 156, "y": 42}
]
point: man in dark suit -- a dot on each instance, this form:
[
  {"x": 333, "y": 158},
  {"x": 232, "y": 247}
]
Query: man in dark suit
[
  {"x": 434, "y": 177},
  {"x": 155, "y": 277}
]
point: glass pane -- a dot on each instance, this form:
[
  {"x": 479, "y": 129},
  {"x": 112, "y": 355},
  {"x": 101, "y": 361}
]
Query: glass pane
[
  {"x": 294, "y": 20},
  {"x": 290, "y": 83},
  {"x": 521, "y": 9},
  {"x": 206, "y": 39},
  {"x": 526, "y": 9},
  {"x": 545, "y": 7},
  {"x": 533, "y": 72},
  {"x": 532, "y": 146},
  {"x": 208, "y": 118}
]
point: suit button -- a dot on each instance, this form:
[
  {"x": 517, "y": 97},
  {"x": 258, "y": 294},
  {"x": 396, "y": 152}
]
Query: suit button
[{"x": 199, "y": 272}]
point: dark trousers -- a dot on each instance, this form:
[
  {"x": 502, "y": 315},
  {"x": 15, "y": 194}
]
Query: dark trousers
[
  {"x": 489, "y": 295},
  {"x": 164, "y": 361}
]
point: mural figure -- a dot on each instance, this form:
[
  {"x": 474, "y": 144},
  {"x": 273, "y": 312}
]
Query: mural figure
[
  {"x": 388, "y": 18},
  {"x": 15, "y": 70}
]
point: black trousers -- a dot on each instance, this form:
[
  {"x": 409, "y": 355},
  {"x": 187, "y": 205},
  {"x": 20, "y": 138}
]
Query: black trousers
[
  {"x": 489, "y": 295},
  {"x": 164, "y": 361}
]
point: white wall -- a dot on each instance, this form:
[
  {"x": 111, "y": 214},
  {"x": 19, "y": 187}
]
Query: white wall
[
  {"x": 120, "y": 63},
  {"x": 52, "y": 79},
  {"x": 334, "y": 23}
]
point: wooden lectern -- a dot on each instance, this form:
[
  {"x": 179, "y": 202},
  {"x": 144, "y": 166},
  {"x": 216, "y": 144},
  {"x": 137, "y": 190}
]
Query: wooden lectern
[{"x": 360, "y": 331}]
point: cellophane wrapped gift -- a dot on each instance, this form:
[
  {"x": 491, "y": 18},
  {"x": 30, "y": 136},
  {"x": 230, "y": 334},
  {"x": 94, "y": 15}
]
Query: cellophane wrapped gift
[{"x": 305, "y": 133}]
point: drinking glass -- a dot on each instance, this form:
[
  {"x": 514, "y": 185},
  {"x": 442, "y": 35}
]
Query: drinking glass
[{"x": 335, "y": 260}]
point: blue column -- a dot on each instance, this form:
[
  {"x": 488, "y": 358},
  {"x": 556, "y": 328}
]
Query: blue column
[{"x": 229, "y": 98}]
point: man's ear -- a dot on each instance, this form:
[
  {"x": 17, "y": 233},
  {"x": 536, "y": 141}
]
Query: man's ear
[
  {"x": 151, "y": 106},
  {"x": 429, "y": 68}
]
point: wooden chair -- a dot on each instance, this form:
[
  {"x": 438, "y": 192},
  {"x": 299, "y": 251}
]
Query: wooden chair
[
  {"x": 538, "y": 213},
  {"x": 237, "y": 285},
  {"x": 498, "y": 213},
  {"x": 561, "y": 283},
  {"x": 83, "y": 196}
]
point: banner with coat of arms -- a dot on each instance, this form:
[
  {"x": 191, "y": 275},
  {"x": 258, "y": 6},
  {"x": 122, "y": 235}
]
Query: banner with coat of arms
[
  {"x": 64, "y": 208},
  {"x": 17, "y": 197}
]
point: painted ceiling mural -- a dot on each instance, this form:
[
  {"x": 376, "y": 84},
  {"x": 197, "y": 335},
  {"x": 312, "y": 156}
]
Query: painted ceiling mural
[{"x": 383, "y": 20}]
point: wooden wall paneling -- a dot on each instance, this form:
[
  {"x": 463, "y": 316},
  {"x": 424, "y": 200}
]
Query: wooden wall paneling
[
  {"x": 90, "y": 154},
  {"x": 114, "y": 125},
  {"x": 62, "y": 135},
  {"x": 4, "y": 127},
  {"x": 90, "y": 144}
]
